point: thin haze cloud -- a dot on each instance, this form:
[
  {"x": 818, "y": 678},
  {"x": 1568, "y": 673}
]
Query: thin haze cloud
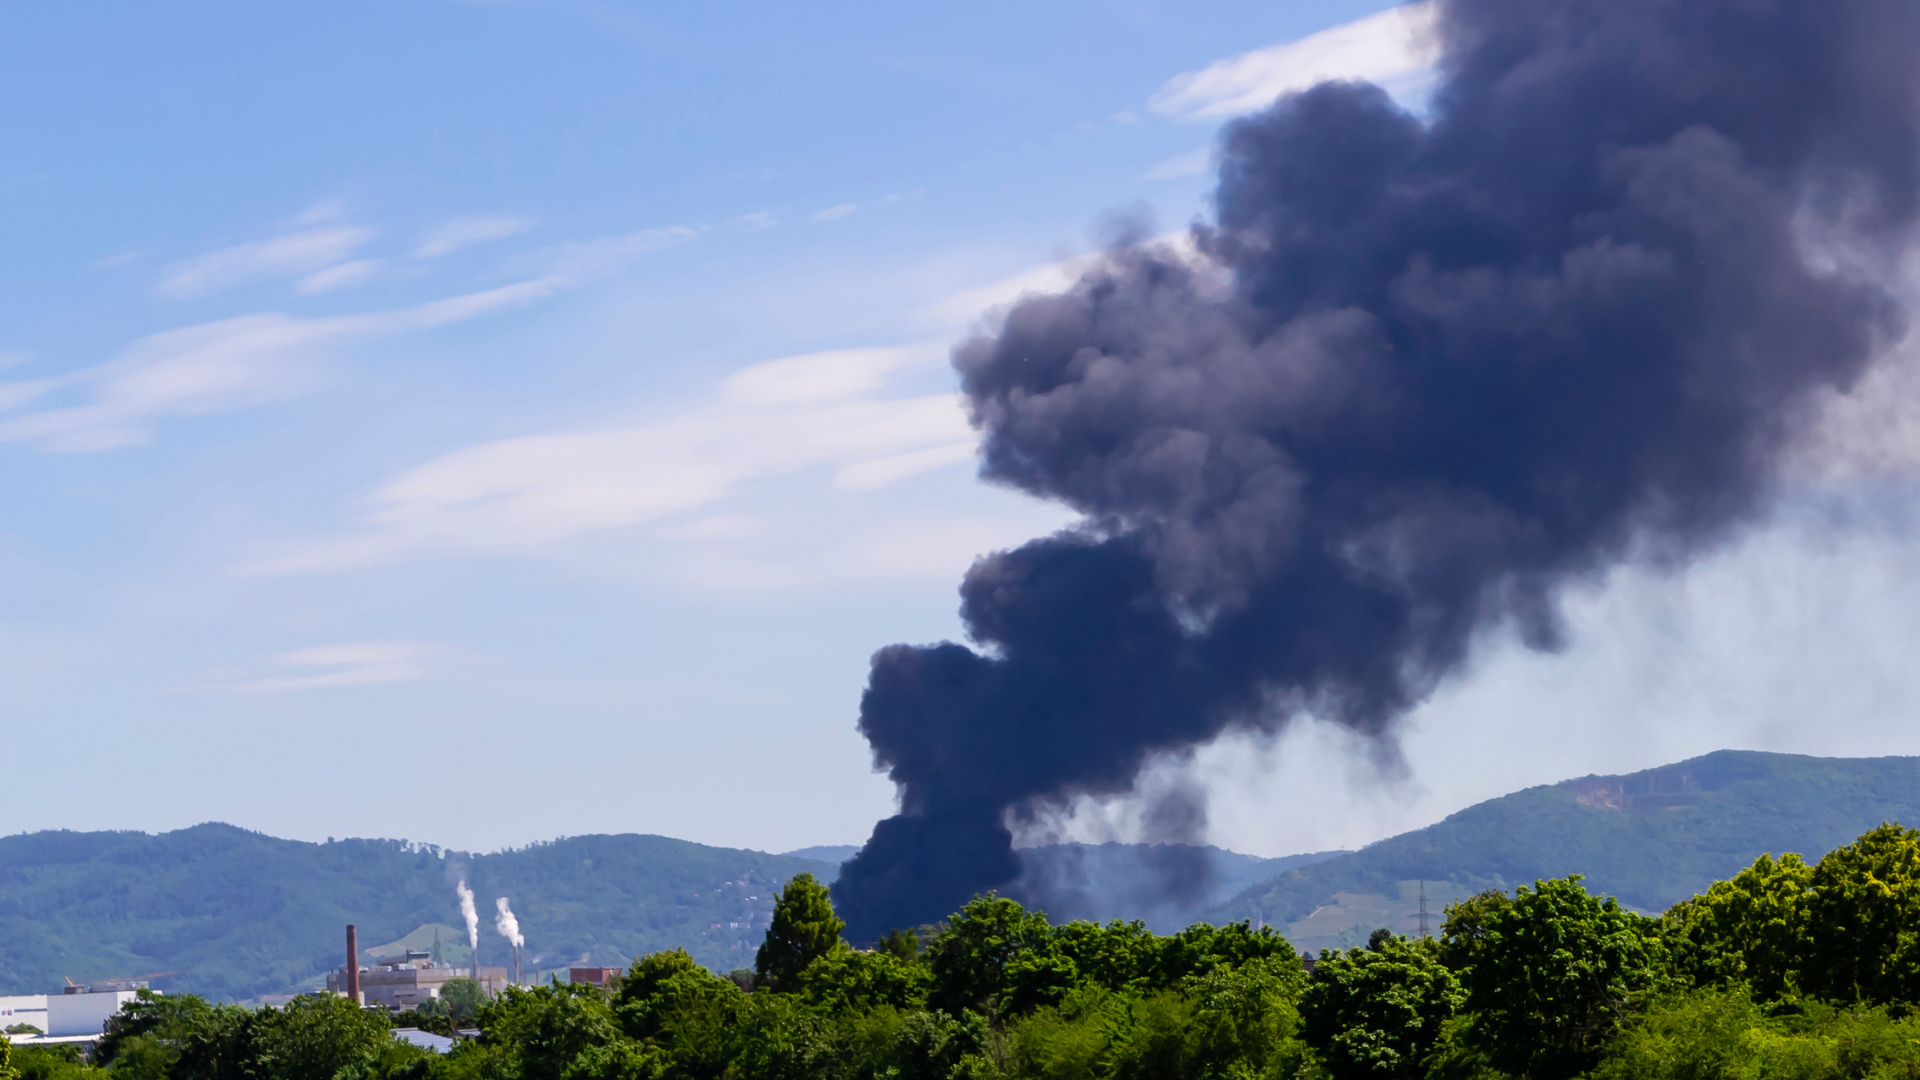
[
  {"x": 361, "y": 663},
  {"x": 251, "y": 360},
  {"x": 772, "y": 419},
  {"x": 214, "y": 367},
  {"x": 834, "y": 213},
  {"x": 334, "y": 278},
  {"x": 1194, "y": 164},
  {"x": 466, "y": 232},
  {"x": 585, "y": 259},
  {"x": 1394, "y": 49},
  {"x": 281, "y": 256}
]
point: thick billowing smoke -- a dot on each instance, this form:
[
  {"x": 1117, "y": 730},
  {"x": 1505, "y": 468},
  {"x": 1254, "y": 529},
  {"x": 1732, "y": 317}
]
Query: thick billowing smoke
[
  {"x": 1422, "y": 375},
  {"x": 469, "y": 913},
  {"x": 508, "y": 926}
]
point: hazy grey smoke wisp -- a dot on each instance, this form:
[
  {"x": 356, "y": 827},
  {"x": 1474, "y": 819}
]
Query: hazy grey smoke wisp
[{"x": 1426, "y": 373}]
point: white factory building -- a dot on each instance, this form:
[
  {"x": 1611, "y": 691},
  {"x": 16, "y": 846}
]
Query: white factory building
[{"x": 74, "y": 1016}]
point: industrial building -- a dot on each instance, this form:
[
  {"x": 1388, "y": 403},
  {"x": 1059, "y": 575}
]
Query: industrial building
[
  {"x": 76, "y": 1015},
  {"x": 601, "y": 977},
  {"x": 405, "y": 981},
  {"x": 24, "y": 1009}
]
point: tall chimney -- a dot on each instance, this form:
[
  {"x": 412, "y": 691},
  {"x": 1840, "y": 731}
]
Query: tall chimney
[{"x": 353, "y": 964}]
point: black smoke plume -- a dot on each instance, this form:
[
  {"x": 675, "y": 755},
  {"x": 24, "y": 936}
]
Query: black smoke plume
[{"x": 1425, "y": 373}]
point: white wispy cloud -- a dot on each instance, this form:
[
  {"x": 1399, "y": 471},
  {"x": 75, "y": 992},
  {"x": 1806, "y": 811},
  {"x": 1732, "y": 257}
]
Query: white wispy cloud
[
  {"x": 251, "y": 360},
  {"x": 288, "y": 255},
  {"x": 1192, "y": 164},
  {"x": 210, "y": 368},
  {"x": 759, "y": 219},
  {"x": 834, "y": 213},
  {"x": 582, "y": 260},
  {"x": 466, "y": 232},
  {"x": 771, "y": 419},
  {"x": 324, "y": 210},
  {"x": 962, "y": 307},
  {"x": 1395, "y": 48},
  {"x": 359, "y": 663},
  {"x": 334, "y": 278}
]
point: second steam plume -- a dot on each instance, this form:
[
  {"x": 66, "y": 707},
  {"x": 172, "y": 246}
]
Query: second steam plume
[
  {"x": 472, "y": 915},
  {"x": 508, "y": 925},
  {"x": 1423, "y": 373}
]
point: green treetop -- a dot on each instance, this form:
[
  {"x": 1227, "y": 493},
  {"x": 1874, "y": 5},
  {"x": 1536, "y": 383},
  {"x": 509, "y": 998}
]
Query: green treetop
[
  {"x": 1863, "y": 920},
  {"x": 1375, "y": 1013},
  {"x": 1751, "y": 928},
  {"x": 804, "y": 928},
  {"x": 1553, "y": 975}
]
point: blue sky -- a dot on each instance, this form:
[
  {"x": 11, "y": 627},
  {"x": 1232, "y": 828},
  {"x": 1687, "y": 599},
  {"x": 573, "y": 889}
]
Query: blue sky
[{"x": 482, "y": 422}]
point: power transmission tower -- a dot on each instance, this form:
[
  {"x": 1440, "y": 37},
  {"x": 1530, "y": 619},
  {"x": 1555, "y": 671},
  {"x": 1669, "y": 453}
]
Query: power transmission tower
[{"x": 1424, "y": 931}]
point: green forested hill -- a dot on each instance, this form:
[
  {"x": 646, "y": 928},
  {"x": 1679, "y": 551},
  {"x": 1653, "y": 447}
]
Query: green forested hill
[
  {"x": 238, "y": 914},
  {"x": 1650, "y": 838}
]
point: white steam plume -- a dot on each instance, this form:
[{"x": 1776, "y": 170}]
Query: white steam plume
[
  {"x": 508, "y": 926},
  {"x": 467, "y": 911}
]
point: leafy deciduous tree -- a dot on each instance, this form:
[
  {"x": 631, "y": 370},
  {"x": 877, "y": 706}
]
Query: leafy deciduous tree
[
  {"x": 804, "y": 928},
  {"x": 1375, "y": 1013},
  {"x": 1553, "y": 975},
  {"x": 1863, "y": 920},
  {"x": 969, "y": 959},
  {"x": 1751, "y": 928}
]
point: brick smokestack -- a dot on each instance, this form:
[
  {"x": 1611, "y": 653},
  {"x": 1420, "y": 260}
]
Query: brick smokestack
[{"x": 353, "y": 963}]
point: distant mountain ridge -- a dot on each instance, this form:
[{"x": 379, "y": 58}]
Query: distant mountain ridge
[
  {"x": 239, "y": 914},
  {"x": 826, "y": 853},
  {"x": 1651, "y": 838},
  {"x": 1167, "y": 886}
]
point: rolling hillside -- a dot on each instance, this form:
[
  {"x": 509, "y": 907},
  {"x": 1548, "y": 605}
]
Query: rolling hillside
[
  {"x": 1650, "y": 838},
  {"x": 237, "y": 914}
]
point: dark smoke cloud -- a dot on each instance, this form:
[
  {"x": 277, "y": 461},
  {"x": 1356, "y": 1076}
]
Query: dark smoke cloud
[{"x": 1425, "y": 374}]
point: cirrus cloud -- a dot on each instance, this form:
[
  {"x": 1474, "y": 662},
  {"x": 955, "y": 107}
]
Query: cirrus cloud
[
  {"x": 209, "y": 368},
  {"x": 820, "y": 410},
  {"x": 1395, "y": 48},
  {"x": 358, "y": 663},
  {"x": 466, "y": 232},
  {"x": 295, "y": 253}
]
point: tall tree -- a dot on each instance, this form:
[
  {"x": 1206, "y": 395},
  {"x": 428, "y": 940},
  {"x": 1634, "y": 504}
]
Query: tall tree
[
  {"x": 1863, "y": 920},
  {"x": 804, "y": 928},
  {"x": 974, "y": 957},
  {"x": 1751, "y": 928},
  {"x": 1554, "y": 973},
  {"x": 1374, "y": 1013}
]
